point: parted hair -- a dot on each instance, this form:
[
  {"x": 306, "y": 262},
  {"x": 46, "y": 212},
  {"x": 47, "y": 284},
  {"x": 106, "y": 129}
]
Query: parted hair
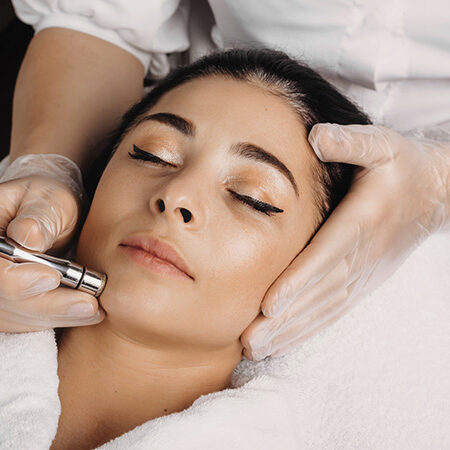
[{"x": 313, "y": 98}]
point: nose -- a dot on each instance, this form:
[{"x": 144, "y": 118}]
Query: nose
[
  {"x": 180, "y": 201},
  {"x": 187, "y": 215}
]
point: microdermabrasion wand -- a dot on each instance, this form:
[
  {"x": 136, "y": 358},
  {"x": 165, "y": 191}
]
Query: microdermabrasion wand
[{"x": 73, "y": 275}]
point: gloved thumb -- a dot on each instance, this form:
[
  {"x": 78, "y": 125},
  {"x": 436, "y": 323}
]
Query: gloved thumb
[
  {"x": 30, "y": 233},
  {"x": 362, "y": 145},
  {"x": 46, "y": 215}
]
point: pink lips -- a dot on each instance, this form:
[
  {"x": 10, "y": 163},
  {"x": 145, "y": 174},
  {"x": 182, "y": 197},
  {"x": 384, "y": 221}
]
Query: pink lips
[{"x": 156, "y": 255}]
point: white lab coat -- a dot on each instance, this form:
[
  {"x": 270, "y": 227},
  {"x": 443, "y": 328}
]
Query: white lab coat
[{"x": 390, "y": 57}]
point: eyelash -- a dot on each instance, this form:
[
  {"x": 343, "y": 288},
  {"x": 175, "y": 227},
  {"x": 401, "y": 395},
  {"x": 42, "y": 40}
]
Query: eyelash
[
  {"x": 146, "y": 156},
  {"x": 260, "y": 206},
  {"x": 263, "y": 207}
]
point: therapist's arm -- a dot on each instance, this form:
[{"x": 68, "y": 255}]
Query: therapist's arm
[{"x": 71, "y": 90}]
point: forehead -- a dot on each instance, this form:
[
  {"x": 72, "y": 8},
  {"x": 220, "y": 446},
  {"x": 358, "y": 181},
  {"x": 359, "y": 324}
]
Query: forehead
[{"x": 227, "y": 110}]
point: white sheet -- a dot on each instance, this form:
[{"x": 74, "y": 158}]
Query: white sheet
[{"x": 379, "y": 378}]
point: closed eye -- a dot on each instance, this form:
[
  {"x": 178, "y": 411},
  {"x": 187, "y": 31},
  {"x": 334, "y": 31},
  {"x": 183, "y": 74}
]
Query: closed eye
[
  {"x": 146, "y": 156},
  {"x": 263, "y": 207},
  {"x": 258, "y": 205}
]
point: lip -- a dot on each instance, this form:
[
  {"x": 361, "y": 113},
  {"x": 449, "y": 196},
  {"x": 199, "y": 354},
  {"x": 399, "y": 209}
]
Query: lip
[{"x": 163, "y": 251}]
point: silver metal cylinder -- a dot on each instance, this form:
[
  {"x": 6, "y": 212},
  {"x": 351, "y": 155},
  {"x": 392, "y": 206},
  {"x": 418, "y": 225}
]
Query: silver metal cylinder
[{"x": 73, "y": 275}]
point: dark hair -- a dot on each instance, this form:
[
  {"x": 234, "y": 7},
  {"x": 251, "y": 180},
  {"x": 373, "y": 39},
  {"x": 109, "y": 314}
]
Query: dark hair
[{"x": 311, "y": 97}]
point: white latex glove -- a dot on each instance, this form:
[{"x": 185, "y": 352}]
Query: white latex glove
[
  {"x": 40, "y": 200},
  {"x": 399, "y": 195}
]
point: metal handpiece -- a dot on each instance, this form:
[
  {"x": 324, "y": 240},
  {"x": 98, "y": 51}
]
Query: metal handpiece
[{"x": 73, "y": 275}]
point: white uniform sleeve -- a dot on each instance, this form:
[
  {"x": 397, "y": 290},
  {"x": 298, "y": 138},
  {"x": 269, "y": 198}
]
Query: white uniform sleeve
[{"x": 149, "y": 29}]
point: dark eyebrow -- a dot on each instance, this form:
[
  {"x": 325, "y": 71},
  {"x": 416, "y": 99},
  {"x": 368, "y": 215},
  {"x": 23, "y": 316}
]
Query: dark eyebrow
[
  {"x": 182, "y": 125},
  {"x": 245, "y": 149},
  {"x": 248, "y": 150}
]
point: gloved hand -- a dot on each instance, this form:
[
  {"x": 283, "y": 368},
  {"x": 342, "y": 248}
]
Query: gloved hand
[
  {"x": 399, "y": 195},
  {"x": 40, "y": 199}
]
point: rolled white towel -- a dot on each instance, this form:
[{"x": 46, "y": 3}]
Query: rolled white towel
[
  {"x": 29, "y": 403},
  {"x": 378, "y": 378}
]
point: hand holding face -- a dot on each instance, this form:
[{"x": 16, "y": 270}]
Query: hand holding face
[{"x": 400, "y": 194}]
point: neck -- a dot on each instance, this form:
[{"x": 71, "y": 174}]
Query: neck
[{"x": 110, "y": 384}]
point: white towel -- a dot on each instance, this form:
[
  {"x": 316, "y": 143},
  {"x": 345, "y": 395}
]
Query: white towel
[{"x": 378, "y": 378}]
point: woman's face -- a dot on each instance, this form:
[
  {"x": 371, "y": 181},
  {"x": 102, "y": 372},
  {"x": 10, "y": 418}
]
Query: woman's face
[{"x": 222, "y": 142}]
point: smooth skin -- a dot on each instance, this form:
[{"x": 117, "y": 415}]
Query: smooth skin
[
  {"x": 399, "y": 196},
  {"x": 324, "y": 267},
  {"x": 167, "y": 340},
  {"x": 63, "y": 104}
]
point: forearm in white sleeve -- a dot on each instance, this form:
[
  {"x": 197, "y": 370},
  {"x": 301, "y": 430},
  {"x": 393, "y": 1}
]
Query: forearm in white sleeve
[{"x": 147, "y": 29}]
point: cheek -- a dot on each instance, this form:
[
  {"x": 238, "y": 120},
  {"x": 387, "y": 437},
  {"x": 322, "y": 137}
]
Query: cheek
[
  {"x": 237, "y": 261},
  {"x": 110, "y": 203},
  {"x": 245, "y": 266}
]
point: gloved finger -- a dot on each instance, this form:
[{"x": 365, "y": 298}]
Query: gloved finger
[
  {"x": 309, "y": 325},
  {"x": 9, "y": 324},
  {"x": 11, "y": 196},
  {"x": 62, "y": 307},
  {"x": 262, "y": 329},
  {"x": 14, "y": 323},
  {"x": 318, "y": 295},
  {"x": 287, "y": 346},
  {"x": 22, "y": 280},
  {"x": 46, "y": 212},
  {"x": 363, "y": 145},
  {"x": 336, "y": 239}
]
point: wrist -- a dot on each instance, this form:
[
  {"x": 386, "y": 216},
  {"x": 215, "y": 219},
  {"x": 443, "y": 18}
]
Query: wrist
[{"x": 51, "y": 165}]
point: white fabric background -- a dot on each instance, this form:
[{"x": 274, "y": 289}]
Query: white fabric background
[{"x": 391, "y": 57}]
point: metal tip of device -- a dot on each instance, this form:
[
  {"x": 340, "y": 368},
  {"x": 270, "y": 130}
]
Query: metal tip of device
[{"x": 93, "y": 283}]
